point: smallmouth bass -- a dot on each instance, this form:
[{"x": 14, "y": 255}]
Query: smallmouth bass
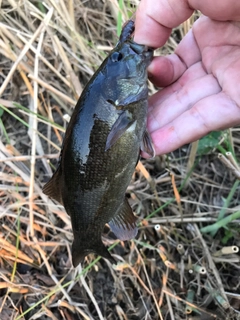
[{"x": 101, "y": 148}]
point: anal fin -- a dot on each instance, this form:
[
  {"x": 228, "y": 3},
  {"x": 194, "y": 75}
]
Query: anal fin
[
  {"x": 52, "y": 187},
  {"x": 123, "y": 225}
]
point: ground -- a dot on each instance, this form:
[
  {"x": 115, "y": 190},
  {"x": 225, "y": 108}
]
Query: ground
[{"x": 186, "y": 202}]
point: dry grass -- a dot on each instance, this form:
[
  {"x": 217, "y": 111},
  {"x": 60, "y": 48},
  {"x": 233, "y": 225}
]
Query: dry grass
[{"x": 184, "y": 263}]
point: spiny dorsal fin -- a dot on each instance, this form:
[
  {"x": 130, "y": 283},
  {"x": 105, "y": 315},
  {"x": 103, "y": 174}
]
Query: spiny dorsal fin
[
  {"x": 123, "y": 225},
  {"x": 52, "y": 187}
]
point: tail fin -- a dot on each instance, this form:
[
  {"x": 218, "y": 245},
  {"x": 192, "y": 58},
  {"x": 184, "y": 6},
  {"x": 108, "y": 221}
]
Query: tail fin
[{"x": 80, "y": 249}]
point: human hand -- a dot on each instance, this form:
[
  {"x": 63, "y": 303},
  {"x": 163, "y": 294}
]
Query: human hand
[{"x": 201, "y": 79}]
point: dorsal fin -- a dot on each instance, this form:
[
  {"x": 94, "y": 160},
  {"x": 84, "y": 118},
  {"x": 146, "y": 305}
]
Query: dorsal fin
[
  {"x": 53, "y": 188},
  {"x": 123, "y": 225}
]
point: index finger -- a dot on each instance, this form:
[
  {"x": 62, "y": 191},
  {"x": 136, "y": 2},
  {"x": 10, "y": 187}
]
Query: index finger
[{"x": 155, "y": 20}]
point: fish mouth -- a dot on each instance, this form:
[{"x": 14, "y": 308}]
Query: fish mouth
[{"x": 145, "y": 51}]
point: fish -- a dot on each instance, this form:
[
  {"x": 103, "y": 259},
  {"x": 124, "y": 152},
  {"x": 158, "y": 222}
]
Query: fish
[{"x": 101, "y": 149}]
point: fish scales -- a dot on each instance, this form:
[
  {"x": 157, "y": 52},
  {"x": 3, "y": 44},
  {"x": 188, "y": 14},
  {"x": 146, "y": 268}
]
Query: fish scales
[{"x": 101, "y": 149}]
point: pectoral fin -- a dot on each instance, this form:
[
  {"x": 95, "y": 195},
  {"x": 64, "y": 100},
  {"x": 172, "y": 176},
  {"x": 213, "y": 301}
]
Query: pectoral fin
[
  {"x": 52, "y": 187},
  {"x": 147, "y": 145},
  {"x": 123, "y": 122},
  {"x": 124, "y": 224}
]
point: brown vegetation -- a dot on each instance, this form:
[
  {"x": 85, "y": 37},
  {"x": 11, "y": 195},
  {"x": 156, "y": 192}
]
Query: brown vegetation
[{"x": 184, "y": 263}]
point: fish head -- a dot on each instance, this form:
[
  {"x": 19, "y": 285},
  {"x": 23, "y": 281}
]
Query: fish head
[{"x": 125, "y": 72}]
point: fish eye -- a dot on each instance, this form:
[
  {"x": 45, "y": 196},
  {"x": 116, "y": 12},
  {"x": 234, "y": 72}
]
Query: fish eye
[{"x": 116, "y": 56}]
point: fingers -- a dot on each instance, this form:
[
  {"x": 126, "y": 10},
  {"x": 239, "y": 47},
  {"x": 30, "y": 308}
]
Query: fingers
[
  {"x": 212, "y": 113},
  {"x": 165, "y": 70},
  {"x": 155, "y": 19},
  {"x": 222, "y": 10},
  {"x": 169, "y": 106},
  {"x": 191, "y": 74}
]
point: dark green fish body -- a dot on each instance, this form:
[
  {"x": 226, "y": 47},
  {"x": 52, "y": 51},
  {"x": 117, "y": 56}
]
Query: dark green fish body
[{"x": 101, "y": 149}]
